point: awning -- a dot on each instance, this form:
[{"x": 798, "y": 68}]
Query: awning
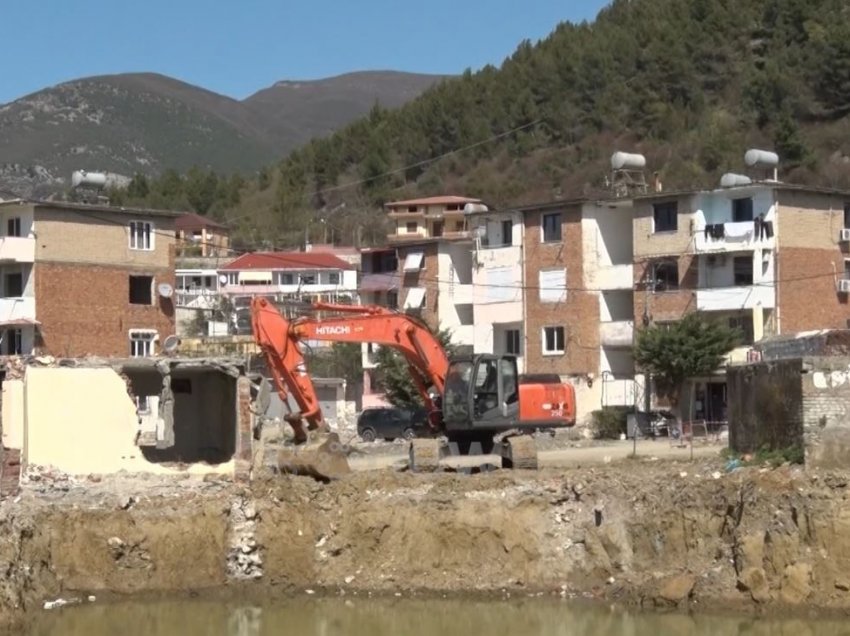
[
  {"x": 413, "y": 261},
  {"x": 415, "y": 298},
  {"x": 379, "y": 282},
  {"x": 20, "y": 322},
  {"x": 255, "y": 277}
]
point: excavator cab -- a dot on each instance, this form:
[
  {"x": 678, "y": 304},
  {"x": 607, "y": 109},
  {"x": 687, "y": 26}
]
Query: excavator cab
[{"x": 482, "y": 393}]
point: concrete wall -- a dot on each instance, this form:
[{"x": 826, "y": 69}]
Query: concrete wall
[
  {"x": 791, "y": 402},
  {"x": 82, "y": 421},
  {"x": 13, "y": 414}
]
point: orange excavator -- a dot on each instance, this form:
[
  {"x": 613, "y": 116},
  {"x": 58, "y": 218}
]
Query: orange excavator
[{"x": 479, "y": 402}]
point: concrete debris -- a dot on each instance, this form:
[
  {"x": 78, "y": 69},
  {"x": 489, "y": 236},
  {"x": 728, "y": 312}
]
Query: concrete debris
[
  {"x": 60, "y": 602},
  {"x": 244, "y": 560}
]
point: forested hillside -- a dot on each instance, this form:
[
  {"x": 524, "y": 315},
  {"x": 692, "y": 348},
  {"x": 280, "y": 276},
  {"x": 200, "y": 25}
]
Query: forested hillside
[{"x": 690, "y": 83}]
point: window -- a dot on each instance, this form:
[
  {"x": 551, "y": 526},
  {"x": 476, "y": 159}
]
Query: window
[
  {"x": 412, "y": 227},
  {"x": 847, "y": 215},
  {"x": 437, "y": 229},
  {"x": 507, "y": 232},
  {"x": 415, "y": 298},
  {"x": 743, "y": 270},
  {"x": 552, "y": 227},
  {"x": 333, "y": 278},
  {"x": 412, "y": 208},
  {"x": 308, "y": 279},
  {"x": 13, "y": 227},
  {"x": 141, "y": 343},
  {"x": 665, "y": 276},
  {"x": 413, "y": 261},
  {"x": 553, "y": 341},
  {"x": 141, "y": 235},
  {"x": 665, "y": 216},
  {"x": 553, "y": 285},
  {"x": 14, "y": 285},
  {"x": 742, "y": 210},
  {"x": 141, "y": 290},
  {"x": 233, "y": 278},
  {"x": 744, "y": 324},
  {"x": 287, "y": 279},
  {"x": 13, "y": 342},
  {"x": 458, "y": 226},
  {"x": 512, "y": 342}
]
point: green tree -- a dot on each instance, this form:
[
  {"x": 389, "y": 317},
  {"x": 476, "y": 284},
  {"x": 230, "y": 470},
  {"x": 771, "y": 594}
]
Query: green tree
[
  {"x": 674, "y": 353},
  {"x": 394, "y": 374}
]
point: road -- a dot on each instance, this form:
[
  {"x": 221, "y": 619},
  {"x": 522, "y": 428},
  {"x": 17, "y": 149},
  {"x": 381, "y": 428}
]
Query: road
[{"x": 563, "y": 457}]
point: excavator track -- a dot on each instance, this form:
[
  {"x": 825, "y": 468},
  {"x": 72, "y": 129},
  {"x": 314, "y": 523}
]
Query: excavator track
[
  {"x": 520, "y": 453},
  {"x": 321, "y": 456},
  {"x": 425, "y": 455}
]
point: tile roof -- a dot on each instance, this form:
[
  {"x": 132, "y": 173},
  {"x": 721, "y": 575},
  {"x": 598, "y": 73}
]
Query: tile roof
[
  {"x": 447, "y": 199},
  {"x": 287, "y": 260},
  {"x": 192, "y": 221}
]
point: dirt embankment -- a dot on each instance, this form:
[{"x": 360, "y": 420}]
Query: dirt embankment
[{"x": 649, "y": 533}]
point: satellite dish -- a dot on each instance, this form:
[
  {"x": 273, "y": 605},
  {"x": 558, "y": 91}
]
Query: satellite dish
[
  {"x": 222, "y": 279},
  {"x": 165, "y": 290},
  {"x": 171, "y": 343}
]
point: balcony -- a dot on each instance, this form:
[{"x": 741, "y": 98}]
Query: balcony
[
  {"x": 617, "y": 334},
  {"x": 736, "y": 237},
  {"x": 17, "y": 310},
  {"x": 611, "y": 277},
  {"x": 732, "y": 298},
  {"x": 17, "y": 249}
]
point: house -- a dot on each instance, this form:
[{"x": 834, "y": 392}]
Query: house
[
  {"x": 200, "y": 236},
  {"x": 434, "y": 248},
  {"x": 79, "y": 279},
  {"x": 766, "y": 257}
]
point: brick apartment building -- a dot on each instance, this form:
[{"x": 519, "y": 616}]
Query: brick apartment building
[
  {"x": 765, "y": 257},
  {"x": 80, "y": 279}
]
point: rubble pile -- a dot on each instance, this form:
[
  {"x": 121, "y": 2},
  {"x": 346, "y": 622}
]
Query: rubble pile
[{"x": 244, "y": 559}]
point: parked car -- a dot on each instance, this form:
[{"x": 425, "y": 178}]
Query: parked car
[{"x": 391, "y": 423}]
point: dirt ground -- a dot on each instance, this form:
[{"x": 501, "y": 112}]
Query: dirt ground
[{"x": 659, "y": 530}]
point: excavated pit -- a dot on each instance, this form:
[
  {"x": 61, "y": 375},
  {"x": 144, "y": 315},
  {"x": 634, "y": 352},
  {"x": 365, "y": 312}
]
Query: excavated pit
[{"x": 642, "y": 533}]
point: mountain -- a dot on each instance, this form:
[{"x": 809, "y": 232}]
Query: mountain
[
  {"x": 689, "y": 83},
  {"x": 144, "y": 122}
]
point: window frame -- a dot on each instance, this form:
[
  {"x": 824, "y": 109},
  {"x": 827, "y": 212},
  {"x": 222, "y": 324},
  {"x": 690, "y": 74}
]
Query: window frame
[
  {"x": 13, "y": 223},
  {"x": 513, "y": 337},
  {"x": 133, "y": 236},
  {"x": 735, "y": 273},
  {"x": 665, "y": 207},
  {"x": 545, "y": 351},
  {"x": 558, "y": 226},
  {"x": 507, "y": 235},
  {"x": 334, "y": 278},
  {"x": 654, "y": 269},
  {"x": 149, "y": 336},
  {"x": 736, "y": 210}
]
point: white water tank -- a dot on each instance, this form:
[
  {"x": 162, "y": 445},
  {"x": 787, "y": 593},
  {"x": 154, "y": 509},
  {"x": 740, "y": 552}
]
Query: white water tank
[
  {"x": 88, "y": 179},
  {"x": 764, "y": 158},
  {"x": 730, "y": 180},
  {"x": 627, "y": 161}
]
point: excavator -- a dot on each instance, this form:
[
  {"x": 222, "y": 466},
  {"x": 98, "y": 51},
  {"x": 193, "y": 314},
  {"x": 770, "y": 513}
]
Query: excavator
[{"x": 478, "y": 402}]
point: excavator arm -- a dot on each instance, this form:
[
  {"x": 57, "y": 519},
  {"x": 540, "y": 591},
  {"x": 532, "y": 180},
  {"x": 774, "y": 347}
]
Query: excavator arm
[{"x": 279, "y": 339}]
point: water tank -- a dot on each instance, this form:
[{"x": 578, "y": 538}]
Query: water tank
[
  {"x": 627, "y": 161},
  {"x": 473, "y": 208},
  {"x": 88, "y": 179},
  {"x": 730, "y": 180},
  {"x": 765, "y": 158}
]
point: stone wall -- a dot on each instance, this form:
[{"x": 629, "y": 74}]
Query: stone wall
[{"x": 802, "y": 401}]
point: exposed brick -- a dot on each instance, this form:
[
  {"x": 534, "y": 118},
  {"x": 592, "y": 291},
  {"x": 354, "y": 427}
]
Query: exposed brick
[
  {"x": 807, "y": 293},
  {"x": 427, "y": 277},
  {"x": 579, "y": 314},
  {"x": 666, "y": 305},
  {"x": 85, "y": 309}
]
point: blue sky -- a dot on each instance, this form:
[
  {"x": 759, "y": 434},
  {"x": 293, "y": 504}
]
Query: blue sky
[{"x": 241, "y": 46}]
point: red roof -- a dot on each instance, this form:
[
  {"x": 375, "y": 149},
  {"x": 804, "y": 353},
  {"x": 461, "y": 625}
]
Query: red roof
[
  {"x": 447, "y": 199},
  {"x": 287, "y": 260},
  {"x": 192, "y": 221}
]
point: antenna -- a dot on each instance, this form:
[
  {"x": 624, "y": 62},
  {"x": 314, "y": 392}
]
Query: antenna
[{"x": 165, "y": 290}]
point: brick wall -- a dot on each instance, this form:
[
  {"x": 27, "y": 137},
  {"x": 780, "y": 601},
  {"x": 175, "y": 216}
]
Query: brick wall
[
  {"x": 579, "y": 313},
  {"x": 427, "y": 277},
  {"x": 85, "y": 309},
  {"x": 789, "y": 402},
  {"x": 666, "y": 305},
  {"x": 806, "y": 292}
]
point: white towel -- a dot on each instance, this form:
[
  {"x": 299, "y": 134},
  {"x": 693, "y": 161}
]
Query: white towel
[{"x": 738, "y": 231}]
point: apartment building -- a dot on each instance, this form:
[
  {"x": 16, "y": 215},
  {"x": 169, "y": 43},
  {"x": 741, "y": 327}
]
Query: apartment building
[
  {"x": 765, "y": 257},
  {"x": 497, "y": 283},
  {"x": 434, "y": 248},
  {"x": 78, "y": 279}
]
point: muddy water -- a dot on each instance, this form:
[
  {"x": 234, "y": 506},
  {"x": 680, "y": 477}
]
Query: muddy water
[{"x": 372, "y": 617}]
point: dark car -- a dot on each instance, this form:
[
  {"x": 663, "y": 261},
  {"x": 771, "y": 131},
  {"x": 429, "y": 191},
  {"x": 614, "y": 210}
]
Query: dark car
[{"x": 391, "y": 423}]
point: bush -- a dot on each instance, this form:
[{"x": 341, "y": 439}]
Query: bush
[{"x": 610, "y": 421}]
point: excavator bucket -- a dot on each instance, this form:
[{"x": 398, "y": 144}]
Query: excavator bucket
[{"x": 322, "y": 456}]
